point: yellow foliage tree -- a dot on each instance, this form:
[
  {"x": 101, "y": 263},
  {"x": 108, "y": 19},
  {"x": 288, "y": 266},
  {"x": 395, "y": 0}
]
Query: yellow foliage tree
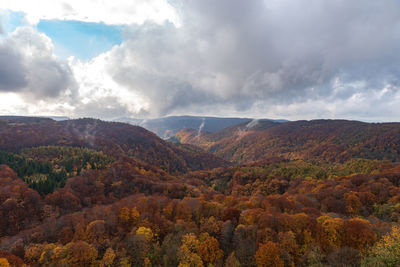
[
  {"x": 187, "y": 253},
  {"x": 108, "y": 258},
  {"x": 128, "y": 217},
  {"x": 209, "y": 250},
  {"x": 4, "y": 262},
  {"x": 146, "y": 232},
  {"x": 331, "y": 229},
  {"x": 135, "y": 215},
  {"x": 386, "y": 252},
  {"x": 268, "y": 255},
  {"x": 33, "y": 252},
  {"x": 73, "y": 254}
]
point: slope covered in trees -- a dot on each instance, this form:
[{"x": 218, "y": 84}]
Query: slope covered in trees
[
  {"x": 115, "y": 139},
  {"x": 136, "y": 215},
  {"x": 47, "y": 168},
  {"x": 124, "y": 211},
  {"x": 326, "y": 140}
]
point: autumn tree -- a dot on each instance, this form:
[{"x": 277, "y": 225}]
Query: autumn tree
[
  {"x": 358, "y": 234},
  {"x": 353, "y": 203},
  {"x": 231, "y": 261},
  {"x": 73, "y": 254},
  {"x": 386, "y": 252},
  {"x": 108, "y": 258},
  {"x": 245, "y": 244},
  {"x": 138, "y": 246},
  {"x": 4, "y": 262},
  {"x": 209, "y": 250},
  {"x": 268, "y": 255},
  {"x": 187, "y": 253}
]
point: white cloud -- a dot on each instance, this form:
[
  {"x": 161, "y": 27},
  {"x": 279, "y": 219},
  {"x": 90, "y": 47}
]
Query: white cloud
[
  {"x": 30, "y": 67},
  {"x": 99, "y": 94},
  {"x": 35, "y": 82},
  {"x": 240, "y": 53},
  {"x": 115, "y": 12},
  {"x": 280, "y": 59}
]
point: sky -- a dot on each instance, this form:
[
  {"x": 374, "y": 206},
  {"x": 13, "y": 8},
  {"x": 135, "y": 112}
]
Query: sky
[{"x": 278, "y": 59}]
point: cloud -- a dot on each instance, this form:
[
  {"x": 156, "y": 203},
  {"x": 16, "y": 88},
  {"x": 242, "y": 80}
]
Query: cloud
[
  {"x": 99, "y": 93},
  {"x": 29, "y": 66},
  {"x": 238, "y": 54},
  {"x": 11, "y": 74},
  {"x": 281, "y": 59},
  {"x": 116, "y": 12}
]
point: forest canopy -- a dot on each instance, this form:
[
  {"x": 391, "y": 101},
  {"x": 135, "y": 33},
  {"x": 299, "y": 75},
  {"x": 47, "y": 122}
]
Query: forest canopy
[{"x": 70, "y": 201}]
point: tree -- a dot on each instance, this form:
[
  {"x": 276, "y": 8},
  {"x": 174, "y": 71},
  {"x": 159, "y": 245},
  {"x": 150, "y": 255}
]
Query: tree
[
  {"x": 209, "y": 249},
  {"x": 146, "y": 232},
  {"x": 268, "y": 255},
  {"x": 124, "y": 217},
  {"x": 187, "y": 253},
  {"x": 353, "y": 203},
  {"x": 245, "y": 244},
  {"x": 289, "y": 248},
  {"x": 231, "y": 261},
  {"x": 331, "y": 231},
  {"x": 81, "y": 254},
  {"x": 137, "y": 247},
  {"x": 95, "y": 232},
  {"x": 108, "y": 258},
  {"x": 386, "y": 252},
  {"x": 358, "y": 233},
  {"x": 33, "y": 252},
  {"x": 73, "y": 254},
  {"x": 4, "y": 262},
  {"x": 314, "y": 257}
]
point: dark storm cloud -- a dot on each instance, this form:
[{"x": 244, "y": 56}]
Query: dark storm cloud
[
  {"x": 237, "y": 53},
  {"x": 28, "y": 66}
]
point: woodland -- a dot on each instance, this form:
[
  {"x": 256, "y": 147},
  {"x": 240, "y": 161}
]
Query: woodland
[{"x": 92, "y": 193}]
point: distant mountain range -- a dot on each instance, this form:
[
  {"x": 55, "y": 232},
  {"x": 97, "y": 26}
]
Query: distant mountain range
[
  {"x": 328, "y": 140},
  {"x": 38, "y": 118},
  {"x": 168, "y": 126}
]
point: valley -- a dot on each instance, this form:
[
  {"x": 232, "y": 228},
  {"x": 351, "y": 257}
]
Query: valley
[{"x": 258, "y": 193}]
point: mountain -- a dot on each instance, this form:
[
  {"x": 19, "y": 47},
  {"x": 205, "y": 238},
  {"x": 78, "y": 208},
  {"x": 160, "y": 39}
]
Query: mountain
[
  {"x": 13, "y": 120},
  {"x": 169, "y": 126},
  {"x": 58, "y": 118},
  {"x": 116, "y": 139},
  {"x": 328, "y": 140},
  {"x": 22, "y": 119},
  {"x": 93, "y": 193}
]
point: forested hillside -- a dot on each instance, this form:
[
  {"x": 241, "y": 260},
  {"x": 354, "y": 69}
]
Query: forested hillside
[
  {"x": 323, "y": 140},
  {"x": 115, "y": 139},
  {"x": 47, "y": 168},
  {"x": 113, "y": 200}
]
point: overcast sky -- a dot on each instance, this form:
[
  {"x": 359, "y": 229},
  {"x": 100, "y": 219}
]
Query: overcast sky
[{"x": 298, "y": 59}]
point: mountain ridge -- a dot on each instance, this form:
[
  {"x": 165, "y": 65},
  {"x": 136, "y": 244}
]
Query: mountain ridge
[
  {"x": 114, "y": 138},
  {"x": 331, "y": 140},
  {"x": 166, "y": 127}
]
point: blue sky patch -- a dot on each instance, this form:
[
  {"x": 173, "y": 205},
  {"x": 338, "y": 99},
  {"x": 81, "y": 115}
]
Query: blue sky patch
[
  {"x": 12, "y": 20},
  {"x": 80, "y": 39}
]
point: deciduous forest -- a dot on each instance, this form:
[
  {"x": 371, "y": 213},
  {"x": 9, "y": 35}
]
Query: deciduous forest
[{"x": 93, "y": 193}]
